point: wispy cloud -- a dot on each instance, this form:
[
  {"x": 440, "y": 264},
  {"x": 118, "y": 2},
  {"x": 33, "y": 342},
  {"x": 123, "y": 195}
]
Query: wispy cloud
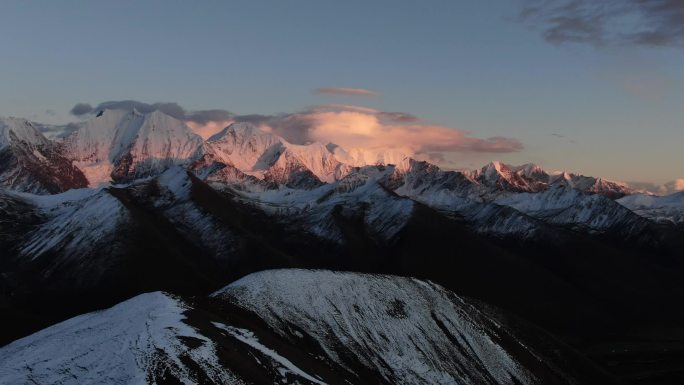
[
  {"x": 608, "y": 22},
  {"x": 394, "y": 116},
  {"x": 345, "y": 91}
]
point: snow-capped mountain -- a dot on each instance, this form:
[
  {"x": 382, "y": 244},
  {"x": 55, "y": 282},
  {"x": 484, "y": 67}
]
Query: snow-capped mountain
[
  {"x": 574, "y": 208},
  {"x": 665, "y": 209},
  {"x": 271, "y": 158},
  {"x": 17, "y": 130},
  {"x": 32, "y": 163},
  {"x": 123, "y": 145},
  {"x": 500, "y": 177},
  {"x": 291, "y": 326}
]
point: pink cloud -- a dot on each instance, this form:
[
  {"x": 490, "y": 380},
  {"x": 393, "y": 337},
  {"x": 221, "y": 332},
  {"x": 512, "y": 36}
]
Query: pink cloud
[
  {"x": 343, "y": 107},
  {"x": 361, "y": 129},
  {"x": 345, "y": 91}
]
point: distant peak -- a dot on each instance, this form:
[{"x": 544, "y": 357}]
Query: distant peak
[
  {"x": 493, "y": 168},
  {"x": 243, "y": 129}
]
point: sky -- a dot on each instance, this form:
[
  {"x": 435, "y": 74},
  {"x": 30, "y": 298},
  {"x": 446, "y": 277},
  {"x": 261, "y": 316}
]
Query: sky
[{"x": 566, "y": 84}]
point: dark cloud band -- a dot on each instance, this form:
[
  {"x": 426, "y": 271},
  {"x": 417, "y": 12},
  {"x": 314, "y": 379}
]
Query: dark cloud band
[
  {"x": 171, "y": 109},
  {"x": 345, "y": 91},
  {"x": 608, "y": 22}
]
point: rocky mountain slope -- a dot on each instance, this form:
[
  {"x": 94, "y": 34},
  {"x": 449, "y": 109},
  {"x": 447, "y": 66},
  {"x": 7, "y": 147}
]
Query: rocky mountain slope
[
  {"x": 30, "y": 162},
  {"x": 291, "y": 326}
]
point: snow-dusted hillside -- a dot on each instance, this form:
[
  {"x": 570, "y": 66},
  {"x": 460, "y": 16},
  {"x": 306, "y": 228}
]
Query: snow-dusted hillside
[
  {"x": 77, "y": 221},
  {"x": 285, "y": 326},
  {"x": 570, "y": 207},
  {"x": 140, "y": 341},
  {"x": 408, "y": 331},
  {"x": 666, "y": 209}
]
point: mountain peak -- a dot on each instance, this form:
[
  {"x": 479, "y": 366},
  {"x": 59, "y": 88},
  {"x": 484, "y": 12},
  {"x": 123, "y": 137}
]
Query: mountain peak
[
  {"x": 242, "y": 130},
  {"x": 19, "y": 129},
  {"x": 529, "y": 169},
  {"x": 494, "y": 170}
]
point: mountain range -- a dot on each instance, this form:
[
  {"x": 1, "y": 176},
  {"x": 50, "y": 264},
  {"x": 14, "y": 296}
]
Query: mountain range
[{"x": 518, "y": 275}]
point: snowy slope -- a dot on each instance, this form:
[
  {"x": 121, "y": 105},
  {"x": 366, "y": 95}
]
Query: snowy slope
[
  {"x": 434, "y": 187},
  {"x": 136, "y": 342},
  {"x": 666, "y": 209},
  {"x": 359, "y": 197},
  {"x": 175, "y": 204},
  {"x": 284, "y": 326},
  {"x": 405, "y": 330},
  {"x": 78, "y": 221},
  {"x": 570, "y": 207}
]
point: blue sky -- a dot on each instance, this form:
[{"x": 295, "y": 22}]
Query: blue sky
[{"x": 613, "y": 110}]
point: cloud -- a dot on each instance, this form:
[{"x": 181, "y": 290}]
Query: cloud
[
  {"x": 50, "y": 112},
  {"x": 81, "y": 109},
  {"x": 171, "y": 109},
  {"x": 295, "y": 128},
  {"x": 674, "y": 186},
  {"x": 345, "y": 91},
  {"x": 343, "y": 107},
  {"x": 359, "y": 128},
  {"x": 402, "y": 117},
  {"x": 608, "y": 22},
  {"x": 668, "y": 188},
  {"x": 206, "y": 116}
]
